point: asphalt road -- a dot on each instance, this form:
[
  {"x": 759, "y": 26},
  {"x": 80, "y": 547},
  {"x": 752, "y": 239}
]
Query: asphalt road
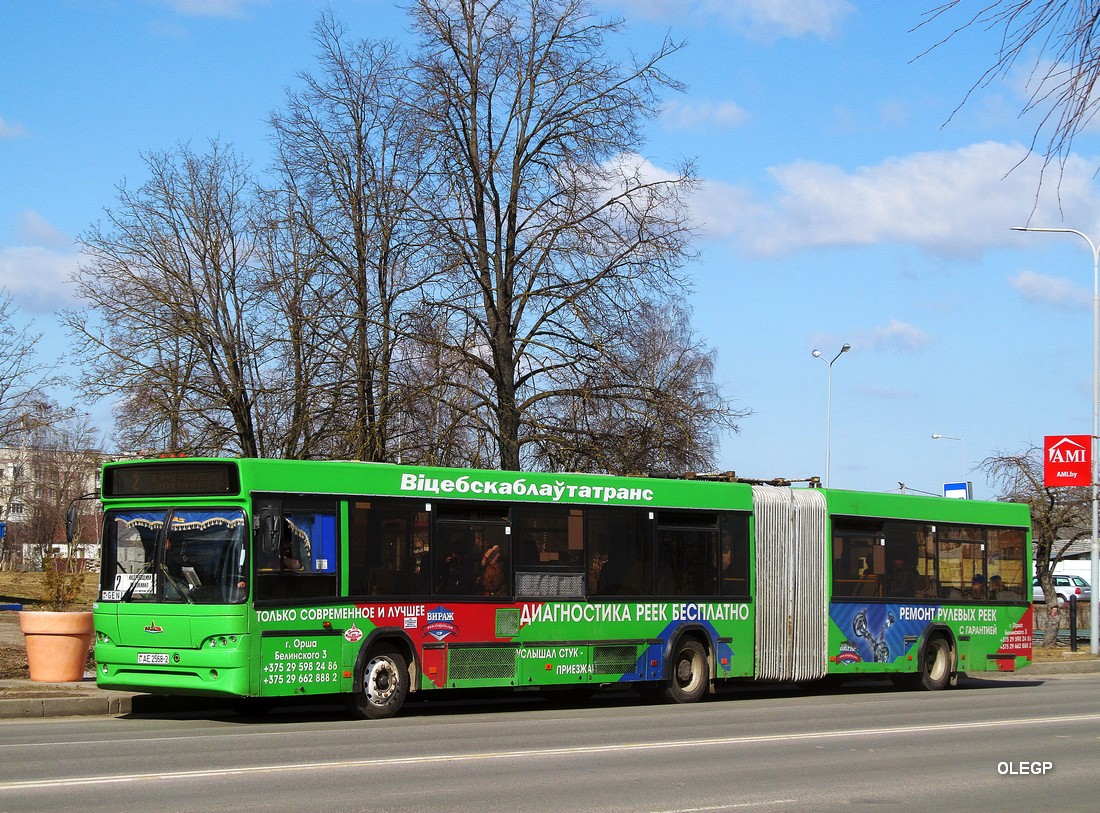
[{"x": 1004, "y": 743}]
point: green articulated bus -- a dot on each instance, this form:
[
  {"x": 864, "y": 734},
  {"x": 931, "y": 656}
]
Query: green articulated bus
[{"x": 254, "y": 580}]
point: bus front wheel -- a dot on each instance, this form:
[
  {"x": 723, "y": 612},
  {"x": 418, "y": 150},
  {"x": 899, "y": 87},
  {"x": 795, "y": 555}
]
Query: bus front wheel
[
  {"x": 384, "y": 684},
  {"x": 690, "y": 673}
]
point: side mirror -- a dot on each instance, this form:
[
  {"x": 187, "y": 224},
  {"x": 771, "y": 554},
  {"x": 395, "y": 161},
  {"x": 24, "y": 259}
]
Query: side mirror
[
  {"x": 70, "y": 523},
  {"x": 268, "y": 529},
  {"x": 72, "y": 519}
]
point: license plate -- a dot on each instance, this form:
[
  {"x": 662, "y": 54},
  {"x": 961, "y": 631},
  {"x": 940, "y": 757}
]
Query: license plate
[{"x": 153, "y": 658}]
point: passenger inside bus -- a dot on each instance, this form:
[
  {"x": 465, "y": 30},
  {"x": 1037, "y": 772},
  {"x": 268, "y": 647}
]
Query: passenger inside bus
[
  {"x": 977, "y": 586},
  {"x": 999, "y": 591},
  {"x": 471, "y": 564},
  {"x": 457, "y": 574},
  {"x": 492, "y": 574}
]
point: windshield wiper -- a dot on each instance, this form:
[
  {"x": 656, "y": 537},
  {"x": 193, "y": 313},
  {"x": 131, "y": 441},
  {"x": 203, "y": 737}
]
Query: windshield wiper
[
  {"x": 175, "y": 584},
  {"x": 129, "y": 594}
]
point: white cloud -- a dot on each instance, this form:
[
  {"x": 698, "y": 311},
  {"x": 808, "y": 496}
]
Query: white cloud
[
  {"x": 630, "y": 165},
  {"x": 36, "y": 272},
  {"x": 951, "y": 203},
  {"x": 11, "y": 129},
  {"x": 895, "y": 335},
  {"x": 758, "y": 18},
  {"x": 683, "y": 115},
  {"x": 719, "y": 208},
  {"x": 38, "y": 277},
  {"x": 35, "y": 230},
  {"x": 214, "y": 8},
  {"x": 1054, "y": 291}
]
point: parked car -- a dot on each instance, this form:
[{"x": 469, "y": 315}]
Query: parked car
[{"x": 1064, "y": 586}]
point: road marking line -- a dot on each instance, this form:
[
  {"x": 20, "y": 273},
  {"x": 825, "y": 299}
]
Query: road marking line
[{"x": 390, "y": 762}]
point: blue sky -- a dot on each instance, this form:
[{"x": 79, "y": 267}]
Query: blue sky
[{"x": 848, "y": 198}]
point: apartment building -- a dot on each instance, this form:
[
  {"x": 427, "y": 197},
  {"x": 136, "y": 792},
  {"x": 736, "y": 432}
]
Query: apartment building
[{"x": 37, "y": 485}]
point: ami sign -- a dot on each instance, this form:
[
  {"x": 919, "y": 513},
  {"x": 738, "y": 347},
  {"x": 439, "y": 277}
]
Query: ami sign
[{"x": 1066, "y": 460}]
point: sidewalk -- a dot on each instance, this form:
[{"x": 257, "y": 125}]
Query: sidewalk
[{"x": 27, "y": 699}]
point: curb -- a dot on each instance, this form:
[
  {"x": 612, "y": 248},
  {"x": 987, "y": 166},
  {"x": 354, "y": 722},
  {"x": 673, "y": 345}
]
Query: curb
[
  {"x": 110, "y": 704},
  {"x": 26, "y": 698},
  {"x": 101, "y": 703},
  {"x": 29, "y": 699}
]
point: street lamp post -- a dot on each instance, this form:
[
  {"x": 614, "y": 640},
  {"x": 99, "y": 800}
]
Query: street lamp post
[
  {"x": 1094, "y": 553},
  {"x": 829, "y": 408},
  {"x": 938, "y": 436}
]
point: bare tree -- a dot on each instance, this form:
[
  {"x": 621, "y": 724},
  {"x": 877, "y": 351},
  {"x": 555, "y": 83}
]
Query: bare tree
[
  {"x": 461, "y": 253},
  {"x": 150, "y": 412},
  {"x": 1060, "y": 41},
  {"x": 438, "y": 424},
  {"x": 552, "y": 225},
  {"x": 173, "y": 312},
  {"x": 1059, "y": 516},
  {"x": 23, "y": 377},
  {"x": 651, "y": 405},
  {"x": 301, "y": 414},
  {"x": 351, "y": 160}
]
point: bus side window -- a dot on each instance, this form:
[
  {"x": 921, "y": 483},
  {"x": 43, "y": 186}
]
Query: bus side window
[
  {"x": 472, "y": 550},
  {"x": 388, "y": 548},
  {"x": 734, "y": 563},
  {"x": 620, "y": 550},
  {"x": 858, "y": 557},
  {"x": 687, "y": 553},
  {"x": 305, "y": 564},
  {"x": 906, "y": 555}
]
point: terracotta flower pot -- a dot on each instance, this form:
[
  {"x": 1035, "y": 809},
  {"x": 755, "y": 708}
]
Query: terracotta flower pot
[{"x": 57, "y": 644}]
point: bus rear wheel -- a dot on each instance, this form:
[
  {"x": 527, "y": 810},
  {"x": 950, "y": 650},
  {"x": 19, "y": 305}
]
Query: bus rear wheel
[
  {"x": 383, "y": 686},
  {"x": 690, "y": 673},
  {"x": 935, "y": 667}
]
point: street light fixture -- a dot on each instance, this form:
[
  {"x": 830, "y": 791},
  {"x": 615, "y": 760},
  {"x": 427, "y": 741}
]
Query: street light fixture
[
  {"x": 1094, "y": 554},
  {"x": 938, "y": 436},
  {"x": 829, "y": 408}
]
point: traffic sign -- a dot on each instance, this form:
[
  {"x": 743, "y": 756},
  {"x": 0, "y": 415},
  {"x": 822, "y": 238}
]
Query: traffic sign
[{"x": 958, "y": 491}]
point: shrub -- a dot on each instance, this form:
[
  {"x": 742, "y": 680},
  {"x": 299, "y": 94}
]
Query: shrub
[{"x": 62, "y": 582}]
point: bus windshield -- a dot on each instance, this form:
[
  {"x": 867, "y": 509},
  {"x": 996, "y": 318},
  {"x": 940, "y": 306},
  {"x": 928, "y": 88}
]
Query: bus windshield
[{"x": 191, "y": 556}]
